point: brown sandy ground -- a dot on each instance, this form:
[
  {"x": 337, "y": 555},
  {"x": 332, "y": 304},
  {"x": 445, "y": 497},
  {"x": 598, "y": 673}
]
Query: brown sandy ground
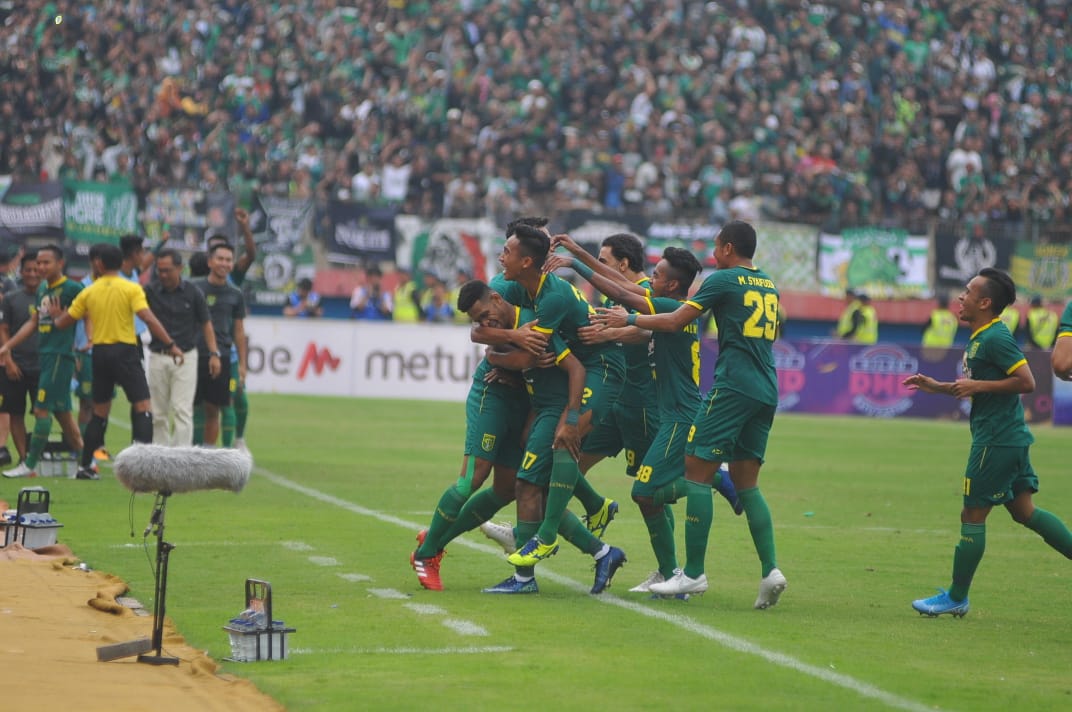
[{"x": 54, "y": 616}]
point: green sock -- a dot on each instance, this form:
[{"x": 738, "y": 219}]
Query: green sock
[
  {"x": 761, "y": 527},
  {"x": 38, "y": 440},
  {"x": 241, "y": 409},
  {"x": 699, "y": 513},
  {"x": 199, "y": 425},
  {"x": 966, "y": 558},
  {"x": 661, "y": 535},
  {"x": 445, "y": 515},
  {"x": 522, "y": 533},
  {"x": 478, "y": 509},
  {"x": 1047, "y": 525},
  {"x": 564, "y": 477},
  {"x": 227, "y": 426},
  {"x": 584, "y": 493},
  {"x": 575, "y": 532},
  {"x": 668, "y": 512},
  {"x": 668, "y": 494}
]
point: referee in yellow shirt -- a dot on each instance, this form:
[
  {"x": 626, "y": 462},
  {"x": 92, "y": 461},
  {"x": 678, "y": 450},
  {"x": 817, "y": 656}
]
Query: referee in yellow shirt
[{"x": 112, "y": 302}]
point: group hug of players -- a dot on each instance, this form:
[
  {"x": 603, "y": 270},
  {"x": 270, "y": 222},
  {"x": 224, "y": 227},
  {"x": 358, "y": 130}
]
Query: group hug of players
[{"x": 564, "y": 385}]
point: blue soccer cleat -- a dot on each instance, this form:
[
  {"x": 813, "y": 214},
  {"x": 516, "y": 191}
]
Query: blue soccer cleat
[
  {"x": 725, "y": 487},
  {"x": 606, "y": 567},
  {"x": 942, "y": 603},
  {"x": 512, "y": 585}
]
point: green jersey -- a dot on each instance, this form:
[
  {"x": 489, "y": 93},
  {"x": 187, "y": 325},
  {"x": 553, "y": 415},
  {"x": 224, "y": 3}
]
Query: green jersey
[
  {"x": 1065, "y": 329},
  {"x": 483, "y": 368},
  {"x": 639, "y": 388},
  {"x": 996, "y": 418},
  {"x": 51, "y": 340},
  {"x": 744, "y": 302},
  {"x": 677, "y": 366},
  {"x": 561, "y": 308},
  {"x": 549, "y": 387}
]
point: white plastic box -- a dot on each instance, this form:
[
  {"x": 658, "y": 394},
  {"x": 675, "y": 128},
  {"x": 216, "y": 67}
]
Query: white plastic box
[
  {"x": 32, "y": 536},
  {"x": 251, "y": 645}
]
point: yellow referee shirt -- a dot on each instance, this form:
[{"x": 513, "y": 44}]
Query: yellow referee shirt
[{"x": 111, "y": 303}]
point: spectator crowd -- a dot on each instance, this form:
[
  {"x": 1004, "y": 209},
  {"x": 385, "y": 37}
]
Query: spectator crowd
[{"x": 847, "y": 111}]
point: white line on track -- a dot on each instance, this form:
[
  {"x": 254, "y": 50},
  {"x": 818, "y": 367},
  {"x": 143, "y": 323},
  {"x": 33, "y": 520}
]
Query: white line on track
[
  {"x": 296, "y": 545},
  {"x": 726, "y": 640},
  {"x": 388, "y": 593},
  {"x": 324, "y": 560},
  {"x": 483, "y": 650},
  {"x": 425, "y": 609}
]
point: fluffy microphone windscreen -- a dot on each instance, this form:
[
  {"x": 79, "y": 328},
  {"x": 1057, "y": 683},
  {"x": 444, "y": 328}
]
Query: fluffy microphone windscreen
[{"x": 157, "y": 468}]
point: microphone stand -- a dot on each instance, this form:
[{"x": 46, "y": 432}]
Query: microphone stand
[{"x": 163, "y": 549}]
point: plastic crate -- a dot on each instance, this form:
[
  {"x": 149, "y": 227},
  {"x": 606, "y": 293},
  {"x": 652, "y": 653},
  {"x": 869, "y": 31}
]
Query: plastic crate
[
  {"x": 33, "y": 526},
  {"x": 254, "y": 635}
]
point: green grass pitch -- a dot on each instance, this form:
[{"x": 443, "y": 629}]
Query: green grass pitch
[{"x": 866, "y": 517}]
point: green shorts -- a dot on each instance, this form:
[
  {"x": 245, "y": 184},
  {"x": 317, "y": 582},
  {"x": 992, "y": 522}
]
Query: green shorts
[
  {"x": 631, "y": 428},
  {"x": 539, "y": 458},
  {"x": 730, "y": 426},
  {"x": 603, "y": 384},
  {"x": 996, "y": 474},
  {"x": 665, "y": 461},
  {"x": 54, "y": 384},
  {"x": 494, "y": 421},
  {"x": 84, "y": 375}
]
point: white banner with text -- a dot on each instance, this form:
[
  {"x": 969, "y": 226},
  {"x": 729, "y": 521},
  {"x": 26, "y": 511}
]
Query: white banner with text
[{"x": 360, "y": 358}]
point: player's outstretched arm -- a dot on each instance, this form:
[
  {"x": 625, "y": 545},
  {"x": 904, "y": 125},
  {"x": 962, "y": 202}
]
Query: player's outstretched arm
[
  {"x": 1061, "y": 358},
  {"x": 668, "y": 321}
]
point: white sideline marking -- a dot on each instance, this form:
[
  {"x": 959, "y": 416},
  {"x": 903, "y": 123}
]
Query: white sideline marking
[
  {"x": 355, "y": 578},
  {"x": 732, "y": 642},
  {"x": 402, "y": 651},
  {"x": 465, "y": 627},
  {"x": 425, "y": 609},
  {"x": 296, "y": 545},
  {"x": 388, "y": 593},
  {"x": 324, "y": 560}
]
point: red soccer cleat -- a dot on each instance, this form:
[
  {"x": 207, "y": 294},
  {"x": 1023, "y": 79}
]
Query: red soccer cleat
[{"x": 427, "y": 569}]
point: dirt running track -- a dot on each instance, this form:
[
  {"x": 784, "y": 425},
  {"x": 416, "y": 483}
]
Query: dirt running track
[{"x": 49, "y": 635}]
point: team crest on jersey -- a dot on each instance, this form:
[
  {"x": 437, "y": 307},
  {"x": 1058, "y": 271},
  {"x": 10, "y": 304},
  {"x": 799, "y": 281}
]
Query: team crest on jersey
[
  {"x": 488, "y": 443},
  {"x": 211, "y": 300}
]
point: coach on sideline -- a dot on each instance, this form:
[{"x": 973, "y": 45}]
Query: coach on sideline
[{"x": 183, "y": 312}]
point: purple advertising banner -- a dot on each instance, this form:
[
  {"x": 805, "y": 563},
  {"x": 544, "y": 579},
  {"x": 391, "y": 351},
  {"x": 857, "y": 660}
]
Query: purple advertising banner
[{"x": 837, "y": 378}]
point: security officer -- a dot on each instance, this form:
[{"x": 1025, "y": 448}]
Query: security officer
[
  {"x": 1041, "y": 325},
  {"x": 941, "y": 327}
]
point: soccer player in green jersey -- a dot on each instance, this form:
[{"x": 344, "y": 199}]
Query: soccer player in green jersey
[
  {"x": 495, "y": 414},
  {"x": 55, "y": 348},
  {"x": 999, "y": 465},
  {"x": 560, "y": 309},
  {"x": 1061, "y": 358},
  {"x": 676, "y": 354},
  {"x": 549, "y": 379},
  {"x": 734, "y": 419}
]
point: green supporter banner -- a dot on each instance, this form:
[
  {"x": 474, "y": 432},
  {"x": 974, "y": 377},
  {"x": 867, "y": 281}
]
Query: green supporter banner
[
  {"x": 1045, "y": 270},
  {"x": 98, "y": 212},
  {"x": 883, "y": 263}
]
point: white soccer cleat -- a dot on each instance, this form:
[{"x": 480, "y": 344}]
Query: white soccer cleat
[
  {"x": 20, "y": 470},
  {"x": 771, "y": 587},
  {"x": 502, "y": 534},
  {"x": 240, "y": 444},
  {"x": 645, "y": 585},
  {"x": 680, "y": 583}
]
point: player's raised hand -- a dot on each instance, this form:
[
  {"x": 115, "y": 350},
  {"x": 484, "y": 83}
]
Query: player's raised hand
[
  {"x": 556, "y": 262},
  {"x": 592, "y": 334},
  {"x": 566, "y": 242},
  {"x": 615, "y": 316}
]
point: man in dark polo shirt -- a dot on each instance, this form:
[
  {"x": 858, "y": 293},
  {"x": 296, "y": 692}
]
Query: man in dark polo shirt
[
  {"x": 183, "y": 311},
  {"x": 18, "y": 377},
  {"x": 228, "y": 310}
]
